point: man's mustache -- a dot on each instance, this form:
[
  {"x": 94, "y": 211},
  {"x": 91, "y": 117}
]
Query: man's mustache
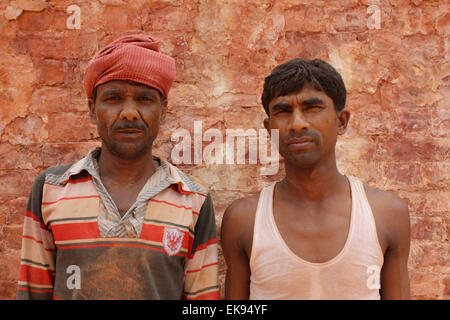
[
  {"x": 129, "y": 125},
  {"x": 307, "y": 134}
]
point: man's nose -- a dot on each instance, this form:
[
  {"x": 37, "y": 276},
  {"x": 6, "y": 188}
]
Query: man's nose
[
  {"x": 129, "y": 110},
  {"x": 298, "y": 122}
]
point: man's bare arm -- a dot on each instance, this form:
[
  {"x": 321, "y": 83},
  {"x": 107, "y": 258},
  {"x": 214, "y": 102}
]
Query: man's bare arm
[
  {"x": 236, "y": 235},
  {"x": 392, "y": 217},
  {"x": 394, "y": 274}
]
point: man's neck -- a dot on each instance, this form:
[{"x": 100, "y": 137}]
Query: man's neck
[
  {"x": 125, "y": 171},
  {"x": 313, "y": 183}
]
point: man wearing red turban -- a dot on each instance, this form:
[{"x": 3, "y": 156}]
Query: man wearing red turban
[{"x": 121, "y": 223}]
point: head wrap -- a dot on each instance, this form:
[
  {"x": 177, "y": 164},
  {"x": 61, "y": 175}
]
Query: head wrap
[{"x": 132, "y": 57}]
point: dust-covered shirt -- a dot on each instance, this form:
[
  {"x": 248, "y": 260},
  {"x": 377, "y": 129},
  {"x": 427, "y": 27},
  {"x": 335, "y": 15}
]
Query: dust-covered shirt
[{"x": 77, "y": 246}]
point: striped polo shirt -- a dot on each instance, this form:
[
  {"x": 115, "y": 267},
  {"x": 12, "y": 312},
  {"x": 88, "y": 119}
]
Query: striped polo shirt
[{"x": 76, "y": 245}]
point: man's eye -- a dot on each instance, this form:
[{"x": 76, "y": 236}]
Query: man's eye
[
  {"x": 112, "y": 98},
  {"x": 145, "y": 99},
  {"x": 281, "y": 111},
  {"x": 312, "y": 108}
]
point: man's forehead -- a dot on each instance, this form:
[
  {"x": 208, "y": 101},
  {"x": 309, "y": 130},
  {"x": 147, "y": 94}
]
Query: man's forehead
[{"x": 124, "y": 84}]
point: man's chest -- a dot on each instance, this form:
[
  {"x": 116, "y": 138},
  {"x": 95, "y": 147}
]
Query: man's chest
[
  {"x": 123, "y": 196},
  {"x": 315, "y": 236}
]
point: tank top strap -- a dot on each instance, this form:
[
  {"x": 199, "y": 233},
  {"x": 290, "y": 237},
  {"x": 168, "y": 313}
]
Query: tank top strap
[
  {"x": 364, "y": 219},
  {"x": 357, "y": 194},
  {"x": 360, "y": 194},
  {"x": 262, "y": 219}
]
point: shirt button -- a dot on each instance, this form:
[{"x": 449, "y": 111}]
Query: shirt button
[{"x": 130, "y": 231}]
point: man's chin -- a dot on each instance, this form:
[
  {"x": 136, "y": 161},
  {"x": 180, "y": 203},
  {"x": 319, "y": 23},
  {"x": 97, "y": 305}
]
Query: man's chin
[
  {"x": 129, "y": 150},
  {"x": 302, "y": 161}
]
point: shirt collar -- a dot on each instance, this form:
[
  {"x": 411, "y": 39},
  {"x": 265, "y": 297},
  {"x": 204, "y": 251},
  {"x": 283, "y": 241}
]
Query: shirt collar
[{"x": 90, "y": 164}]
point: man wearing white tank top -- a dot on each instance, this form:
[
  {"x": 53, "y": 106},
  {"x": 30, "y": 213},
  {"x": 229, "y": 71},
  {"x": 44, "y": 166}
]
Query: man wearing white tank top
[{"x": 317, "y": 234}]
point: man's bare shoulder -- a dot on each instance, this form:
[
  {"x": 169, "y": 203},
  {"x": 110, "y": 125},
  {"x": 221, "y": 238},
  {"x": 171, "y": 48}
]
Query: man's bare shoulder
[
  {"x": 386, "y": 202},
  {"x": 238, "y": 221},
  {"x": 244, "y": 207},
  {"x": 390, "y": 212}
]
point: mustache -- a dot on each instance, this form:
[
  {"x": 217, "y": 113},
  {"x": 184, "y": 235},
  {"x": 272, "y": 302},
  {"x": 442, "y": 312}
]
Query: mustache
[
  {"x": 129, "y": 125},
  {"x": 309, "y": 134}
]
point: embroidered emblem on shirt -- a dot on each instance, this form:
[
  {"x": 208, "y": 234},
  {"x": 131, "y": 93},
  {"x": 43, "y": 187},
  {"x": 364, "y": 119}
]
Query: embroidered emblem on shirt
[{"x": 172, "y": 240}]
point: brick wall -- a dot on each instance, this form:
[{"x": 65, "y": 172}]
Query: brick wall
[{"x": 396, "y": 70}]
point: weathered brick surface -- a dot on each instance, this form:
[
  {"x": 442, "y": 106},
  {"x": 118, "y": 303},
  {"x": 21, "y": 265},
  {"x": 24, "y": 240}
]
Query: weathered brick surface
[{"x": 397, "y": 77}]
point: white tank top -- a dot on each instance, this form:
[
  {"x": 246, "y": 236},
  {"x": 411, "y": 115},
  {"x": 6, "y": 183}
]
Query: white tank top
[{"x": 278, "y": 273}]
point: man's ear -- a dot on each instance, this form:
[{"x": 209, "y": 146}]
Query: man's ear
[
  {"x": 343, "y": 117},
  {"x": 92, "y": 114},
  {"x": 267, "y": 124},
  {"x": 163, "y": 109}
]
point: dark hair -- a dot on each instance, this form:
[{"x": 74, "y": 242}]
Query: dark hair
[{"x": 290, "y": 77}]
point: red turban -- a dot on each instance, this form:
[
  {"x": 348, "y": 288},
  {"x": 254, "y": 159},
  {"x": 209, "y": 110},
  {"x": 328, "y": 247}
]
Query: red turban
[{"x": 133, "y": 57}]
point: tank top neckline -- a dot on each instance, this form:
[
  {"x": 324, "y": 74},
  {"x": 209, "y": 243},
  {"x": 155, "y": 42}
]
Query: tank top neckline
[{"x": 299, "y": 259}]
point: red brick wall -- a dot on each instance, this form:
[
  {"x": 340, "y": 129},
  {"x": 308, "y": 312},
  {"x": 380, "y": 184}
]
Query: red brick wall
[{"x": 397, "y": 77}]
